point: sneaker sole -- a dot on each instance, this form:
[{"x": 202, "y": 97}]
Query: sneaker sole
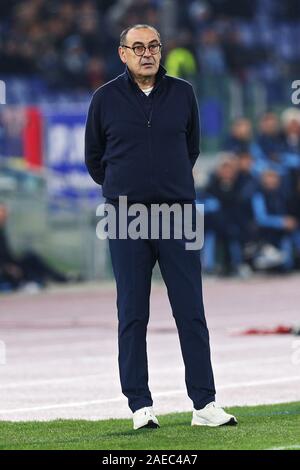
[
  {"x": 149, "y": 425},
  {"x": 231, "y": 422}
]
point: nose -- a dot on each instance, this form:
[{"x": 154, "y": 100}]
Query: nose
[{"x": 147, "y": 52}]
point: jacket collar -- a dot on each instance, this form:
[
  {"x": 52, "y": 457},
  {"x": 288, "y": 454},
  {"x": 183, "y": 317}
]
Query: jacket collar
[{"x": 159, "y": 76}]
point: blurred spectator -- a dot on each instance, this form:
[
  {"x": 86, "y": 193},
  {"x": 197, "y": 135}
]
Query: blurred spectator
[
  {"x": 241, "y": 136},
  {"x": 278, "y": 228},
  {"x": 210, "y": 53},
  {"x": 200, "y": 15},
  {"x": 74, "y": 62},
  {"x": 252, "y": 200},
  {"x": 269, "y": 136},
  {"x": 295, "y": 199},
  {"x": 26, "y": 271},
  {"x": 180, "y": 60},
  {"x": 66, "y": 43},
  {"x": 247, "y": 184},
  {"x": 222, "y": 224},
  {"x": 244, "y": 39},
  {"x": 291, "y": 130},
  {"x": 71, "y": 45},
  {"x": 237, "y": 56},
  {"x": 96, "y": 73}
]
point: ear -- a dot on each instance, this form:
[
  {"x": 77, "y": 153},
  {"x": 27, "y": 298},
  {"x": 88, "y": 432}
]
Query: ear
[{"x": 122, "y": 54}]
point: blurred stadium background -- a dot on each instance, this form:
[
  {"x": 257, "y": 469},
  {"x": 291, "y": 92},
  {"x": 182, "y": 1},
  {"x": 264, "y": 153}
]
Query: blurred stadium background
[{"x": 242, "y": 57}]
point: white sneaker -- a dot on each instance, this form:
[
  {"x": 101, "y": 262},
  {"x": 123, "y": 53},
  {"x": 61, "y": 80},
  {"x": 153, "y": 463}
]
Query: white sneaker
[
  {"x": 145, "y": 418},
  {"x": 269, "y": 257},
  {"x": 212, "y": 415},
  {"x": 31, "y": 288}
]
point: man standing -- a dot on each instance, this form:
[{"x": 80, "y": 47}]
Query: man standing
[{"x": 142, "y": 140}]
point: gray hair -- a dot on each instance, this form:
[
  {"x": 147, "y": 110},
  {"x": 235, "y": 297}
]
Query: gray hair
[
  {"x": 289, "y": 115},
  {"x": 123, "y": 35}
]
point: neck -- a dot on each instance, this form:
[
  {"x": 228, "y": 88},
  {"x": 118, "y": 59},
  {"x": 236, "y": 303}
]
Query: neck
[{"x": 145, "y": 82}]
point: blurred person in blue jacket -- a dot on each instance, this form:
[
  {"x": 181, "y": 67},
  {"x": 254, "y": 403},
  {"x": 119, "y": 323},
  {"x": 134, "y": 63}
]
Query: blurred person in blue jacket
[
  {"x": 290, "y": 119},
  {"x": 223, "y": 217},
  {"x": 269, "y": 137},
  {"x": 247, "y": 187},
  {"x": 210, "y": 54},
  {"x": 290, "y": 148},
  {"x": 279, "y": 229},
  {"x": 241, "y": 139},
  {"x": 295, "y": 206}
]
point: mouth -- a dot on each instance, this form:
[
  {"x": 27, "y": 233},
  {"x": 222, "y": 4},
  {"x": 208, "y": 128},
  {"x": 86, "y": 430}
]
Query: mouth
[{"x": 147, "y": 64}]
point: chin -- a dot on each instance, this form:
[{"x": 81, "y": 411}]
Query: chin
[{"x": 149, "y": 72}]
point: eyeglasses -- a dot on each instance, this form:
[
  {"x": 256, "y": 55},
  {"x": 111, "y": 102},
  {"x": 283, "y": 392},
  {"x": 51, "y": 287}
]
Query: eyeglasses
[{"x": 140, "y": 50}]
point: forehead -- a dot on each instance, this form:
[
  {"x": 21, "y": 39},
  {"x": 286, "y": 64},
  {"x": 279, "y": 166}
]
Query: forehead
[
  {"x": 228, "y": 165},
  {"x": 144, "y": 35}
]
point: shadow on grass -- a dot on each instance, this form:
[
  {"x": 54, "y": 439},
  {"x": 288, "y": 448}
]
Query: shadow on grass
[{"x": 106, "y": 435}]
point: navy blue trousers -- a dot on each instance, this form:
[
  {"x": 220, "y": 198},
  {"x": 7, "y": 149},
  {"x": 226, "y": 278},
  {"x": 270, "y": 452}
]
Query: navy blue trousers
[{"x": 133, "y": 262}]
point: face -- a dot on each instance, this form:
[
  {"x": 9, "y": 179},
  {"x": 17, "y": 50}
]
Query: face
[
  {"x": 269, "y": 124},
  {"x": 270, "y": 180},
  {"x": 227, "y": 171},
  {"x": 245, "y": 162},
  {"x": 242, "y": 129},
  {"x": 141, "y": 66},
  {"x": 293, "y": 127}
]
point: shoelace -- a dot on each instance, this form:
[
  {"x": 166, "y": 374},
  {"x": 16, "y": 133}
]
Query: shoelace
[{"x": 214, "y": 405}]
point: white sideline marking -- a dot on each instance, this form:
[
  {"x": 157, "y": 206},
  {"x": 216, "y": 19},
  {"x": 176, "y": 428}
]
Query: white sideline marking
[
  {"x": 156, "y": 395},
  {"x": 297, "y": 446},
  {"x": 255, "y": 383},
  {"x": 33, "y": 383},
  {"x": 236, "y": 346}
]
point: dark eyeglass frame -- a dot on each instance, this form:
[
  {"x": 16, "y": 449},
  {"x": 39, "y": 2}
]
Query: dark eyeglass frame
[{"x": 159, "y": 46}]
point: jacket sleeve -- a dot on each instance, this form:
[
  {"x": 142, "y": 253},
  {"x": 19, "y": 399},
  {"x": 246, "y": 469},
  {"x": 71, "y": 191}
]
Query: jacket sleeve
[
  {"x": 94, "y": 143},
  {"x": 193, "y": 133},
  {"x": 263, "y": 218}
]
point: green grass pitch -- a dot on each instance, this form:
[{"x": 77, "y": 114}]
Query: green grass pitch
[{"x": 260, "y": 427}]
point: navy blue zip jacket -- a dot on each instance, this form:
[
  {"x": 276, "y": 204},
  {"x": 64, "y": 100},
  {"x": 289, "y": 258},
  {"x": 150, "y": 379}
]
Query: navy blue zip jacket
[{"x": 143, "y": 147}]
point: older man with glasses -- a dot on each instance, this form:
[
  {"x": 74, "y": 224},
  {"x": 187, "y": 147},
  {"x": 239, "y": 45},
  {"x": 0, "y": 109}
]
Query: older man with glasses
[{"x": 142, "y": 140}]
